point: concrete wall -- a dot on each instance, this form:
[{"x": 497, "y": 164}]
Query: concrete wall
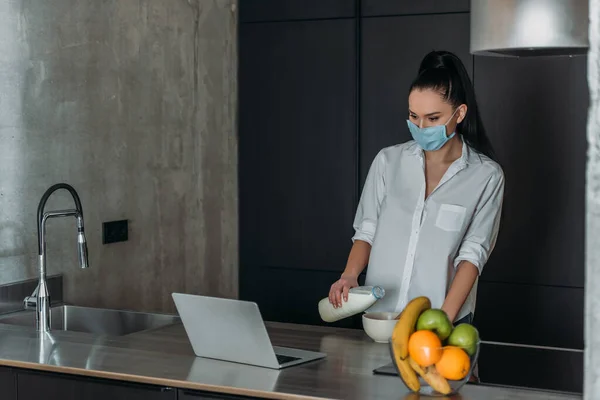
[
  {"x": 134, "y": 104},
  {"x": 592, "y": 284}
]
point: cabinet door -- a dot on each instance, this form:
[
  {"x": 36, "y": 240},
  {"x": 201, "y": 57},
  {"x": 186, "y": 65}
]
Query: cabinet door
[
  {"x": 96, "y": 390},
  {"x": 529, "y": 314},
  {"x": 535, "y": 112},
  {"x": 196, "y": 395},
  {"x": 286, "y": 10},
  {"x": 34, "y": 385},
  {"x": 392, "y": 49},
  {"x": 297, "y": 143},
  {"x": 530, "y": 367},
  {"x": 7, "y": 384}
]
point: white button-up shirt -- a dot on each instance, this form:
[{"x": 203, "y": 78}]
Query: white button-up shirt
[{"x": 417, "y": 243}]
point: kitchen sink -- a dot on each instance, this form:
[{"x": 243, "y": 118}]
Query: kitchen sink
[{"x": 94, "y": 320}]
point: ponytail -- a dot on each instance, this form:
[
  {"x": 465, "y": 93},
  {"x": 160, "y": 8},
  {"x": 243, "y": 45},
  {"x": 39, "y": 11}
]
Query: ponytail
[{"x": 443, "y": 72}]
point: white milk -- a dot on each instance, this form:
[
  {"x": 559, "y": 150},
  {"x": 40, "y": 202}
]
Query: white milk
[{"x": 359, "y": 299}]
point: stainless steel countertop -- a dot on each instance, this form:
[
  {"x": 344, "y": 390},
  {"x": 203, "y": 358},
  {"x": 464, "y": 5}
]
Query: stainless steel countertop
[{"x": 165, "y": 357}]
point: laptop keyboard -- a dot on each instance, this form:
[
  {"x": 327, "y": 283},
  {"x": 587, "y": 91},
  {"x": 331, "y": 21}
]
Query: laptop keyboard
[{"x": 281, "y": 359}]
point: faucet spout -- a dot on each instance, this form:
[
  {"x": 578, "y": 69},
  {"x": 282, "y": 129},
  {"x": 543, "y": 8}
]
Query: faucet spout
[
  {"x": 42, "y": 205},
  {"x": 43, "y": 318},
  {"x": 82, "y": 251}
]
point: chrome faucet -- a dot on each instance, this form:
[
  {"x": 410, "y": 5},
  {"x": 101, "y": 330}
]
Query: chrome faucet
[{"x": 40, "y": 296}]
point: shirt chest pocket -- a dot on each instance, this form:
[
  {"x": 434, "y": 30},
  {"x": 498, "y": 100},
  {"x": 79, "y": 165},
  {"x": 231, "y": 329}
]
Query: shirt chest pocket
[{"x": 450, "y": 217}]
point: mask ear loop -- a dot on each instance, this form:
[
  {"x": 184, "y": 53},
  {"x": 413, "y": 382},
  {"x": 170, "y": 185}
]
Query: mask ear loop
[{"x": 452, "y": 116}]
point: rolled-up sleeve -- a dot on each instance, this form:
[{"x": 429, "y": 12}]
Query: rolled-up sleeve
[
  {"x": 369, "y": 206},
  {"x": 480, "y": 238}
]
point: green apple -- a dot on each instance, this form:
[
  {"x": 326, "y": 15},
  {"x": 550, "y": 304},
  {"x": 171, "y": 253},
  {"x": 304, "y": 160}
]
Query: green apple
[
  {"x": 435, "y": 320},
  {"x": 466, "y": 337}
]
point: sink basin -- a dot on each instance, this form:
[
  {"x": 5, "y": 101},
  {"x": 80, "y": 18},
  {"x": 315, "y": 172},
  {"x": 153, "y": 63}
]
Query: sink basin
[{"x": 94, "y": 320}]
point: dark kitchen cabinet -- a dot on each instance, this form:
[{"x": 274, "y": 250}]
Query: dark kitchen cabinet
[
  {"x": 195, "y": 395},
  {"x": 535, "y": 111},
  {"x": 407, "y": 7},
  {"x": 297, "y": 156},
  {"x": 297, "y": 143},
  {"x": 33, "y": 385},
  {"x": 392, "y": 49},
  {"x": 530, "y": 314},
  {"x": 530, "y": 367},
  {"x": 8, "y": 387},
  {"x": 286, "y": 10}
]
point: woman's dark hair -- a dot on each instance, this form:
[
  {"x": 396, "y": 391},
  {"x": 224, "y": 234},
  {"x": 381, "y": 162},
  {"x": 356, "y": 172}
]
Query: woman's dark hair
[{"x": 443, "y": 72}]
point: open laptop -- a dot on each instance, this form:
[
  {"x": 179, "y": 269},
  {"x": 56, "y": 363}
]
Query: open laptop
[{"x": 233, "y": 330}]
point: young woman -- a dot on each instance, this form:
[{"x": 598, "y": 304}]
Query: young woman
[{"x": 429, "y": 212}]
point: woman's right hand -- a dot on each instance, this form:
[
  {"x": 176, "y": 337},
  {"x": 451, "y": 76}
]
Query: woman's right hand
[{"x": 340, "y": 289}]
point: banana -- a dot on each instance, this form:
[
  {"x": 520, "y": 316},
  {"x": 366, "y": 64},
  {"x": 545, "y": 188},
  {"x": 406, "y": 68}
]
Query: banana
[
  {"x": 408, "y": 375},
  {"x": 405, "y": 326},
  {"x": 432, "y": 377}
]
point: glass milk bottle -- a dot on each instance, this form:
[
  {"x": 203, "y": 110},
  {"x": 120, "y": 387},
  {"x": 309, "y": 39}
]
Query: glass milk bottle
[{"x": 359, "y": 299}]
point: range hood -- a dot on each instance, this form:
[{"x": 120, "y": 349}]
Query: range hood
[{"x": 525, "y": 28}]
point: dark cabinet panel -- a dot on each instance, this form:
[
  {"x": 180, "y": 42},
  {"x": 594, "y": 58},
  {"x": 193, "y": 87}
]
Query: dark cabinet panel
[
  {"x": 297, "y": 146},
  {"x": 400, "y": 7},
  {"x": 535, "y": 112},
  {"x": 195, "y": 395},
  {"x": 31, "y": 384},
  {"x": 287, "y": 295},
  {"x": 392, "y": 49},
  {"x": 8, "y": 389},
  {"x": 97, "y": 391},
  {"x": 530, "y": 314},
  {"x": 284, "y": 10},
  {"x": 34, "y": 385},
  {"x": 532, "y": 368}
]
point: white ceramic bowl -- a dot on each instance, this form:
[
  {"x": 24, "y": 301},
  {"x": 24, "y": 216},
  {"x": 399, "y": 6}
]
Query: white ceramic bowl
[{"x": 379, "y": 325}]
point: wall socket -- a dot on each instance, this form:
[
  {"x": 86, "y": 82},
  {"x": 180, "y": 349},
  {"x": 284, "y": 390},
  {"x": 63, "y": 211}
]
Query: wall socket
[{"x": 115, "y": 231}]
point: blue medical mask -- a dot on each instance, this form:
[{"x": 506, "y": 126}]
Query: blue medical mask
[{"x": 433, "y": 137}]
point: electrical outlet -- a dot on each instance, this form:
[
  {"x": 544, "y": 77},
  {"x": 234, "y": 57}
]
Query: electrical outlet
[{"x": 115, "y": 231}]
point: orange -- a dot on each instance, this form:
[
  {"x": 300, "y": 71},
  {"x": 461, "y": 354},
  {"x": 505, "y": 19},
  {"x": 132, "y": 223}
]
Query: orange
[
  {"x": 425, "y": 348},
  {"x": 454, "y": 364}
]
